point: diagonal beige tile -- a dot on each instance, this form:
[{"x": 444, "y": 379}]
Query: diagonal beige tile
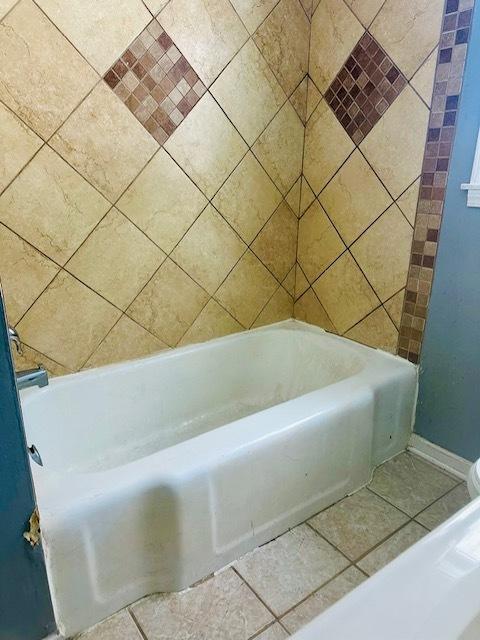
[
  {"x": 30, "y": 82},
  {"x": 423, "y": 80},
  {"x": 298, "y": 100},
  {"x": 376, "y": 330},
  {"x": 155, "y": 5},
  {"x": 234, "y": 613},
  {"x": 394, "y": 307},
  {"x": 306, "y": 196},
  {"x": 206, "y": 145},
  {"x": 301, "y": 283},
  {"x": 289, "y": 282},
  {"x": 278, "y": 308},
  {"x": 105, "y": 142},
  {"x": 293, "y": 197},
  {"x": 276, "y": 244},
  {"x": 118, "y": 627},
  {"x": 309, "y": 309},
  {"x": 253, "y": 12},
  {"x": 5, "y": 6},
  {"x": 444, "y": 508},
  {"x": 213, "y": 322},
  {"x": 365, "y": 10},
  {"x": 31, "y": 359},
  {"x": 302, "y": 555},
  {"x": 391, "y": 548},
  {"x": 408, "y": 201},
  {"x": 313, "y": 98}
]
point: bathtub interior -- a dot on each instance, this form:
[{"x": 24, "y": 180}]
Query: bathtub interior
[{"x": 102, "y": 419}]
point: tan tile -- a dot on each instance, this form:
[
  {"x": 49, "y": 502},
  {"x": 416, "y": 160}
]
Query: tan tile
[
  {"x": 24, "y": 273},
  {"x": 335, "y": 32},
  {"x": 5, "y": 6},
  {"x": 383, "y": 252},
  {"x": 306, "y": 196},
  {"x": 308, "y": 7},
  {"x": 409, "y": 483},
  {"x": 167, "y": 218},
  {"x": 376, "y": 330},
  {"x": 283, "y": 40},
  {"x": 155, "y": 5},
  {"x": 209, "y": 250},
  {"x": 365, "y": 10},
  {"x": 118, "y": 627},
  {"x": 394, "y": 307},
  {"x": 354, "y": 197},
  {"x": 253, "y": 12},
  {"x": 19, "y": 144},
  {"x": 345, "y": 293},
  {"x": 423, "y": 80},
  {"x": 275, "y": 632},
  {"x": 408, "y": 31},
  {"x": 31, "y": 359},
  {"x": 67, "y": 304},
  {"x": 248, "y": 81},
  {"x": 116, "y": 260},
  {"x": 289, "y": 281},
  {"x": 293, "y": 197},
  {"x": 278, "y": 308},
  {"x": 101, "y": 31},
  {"x": 280, "y": 148},
  {"x": 408, "y": 201},
  {"x": 105, "y": 142},
  {"x": 30, "y": 82},
  {"x": 390, "y": 140},
  {"x": 302, "y": 555},
  {"x": 206, "y": 145},
  {"x": 213, "y": 322},
  {"x": 444, "y": 508},
  {"x": 301, "y": 282},
  {"x": 327, "y": 146},
  {"x": 308, "y": 309},
  {"x": 317, "y": 603},
  {"x": 313, "y": 98},
  {"x": 234, "y": 612},
  {"x": 391, "y": 548},
  {"x": 318, "y": 242},
  {"x": 276, "y": 244},
  {"x": 298, "y": 100},
  {"x": 52, "y": 206},
  {"x": 247, "y": 289},
  {"x": 169, "y": 303},
  {"x": 208, "y": 33}
]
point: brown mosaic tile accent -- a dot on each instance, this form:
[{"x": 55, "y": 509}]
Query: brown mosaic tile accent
[
  {"x": 156, "y": 82},
  {"x": 438, "y": 149},
  {"x": 364, "y": 88}
]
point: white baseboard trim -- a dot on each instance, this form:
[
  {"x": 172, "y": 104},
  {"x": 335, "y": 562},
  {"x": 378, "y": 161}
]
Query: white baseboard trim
[{"x": 443, "y": 458}]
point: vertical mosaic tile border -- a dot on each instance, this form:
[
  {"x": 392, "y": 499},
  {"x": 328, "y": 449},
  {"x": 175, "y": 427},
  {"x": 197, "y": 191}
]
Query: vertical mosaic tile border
[{"x": 438, "y": 149}]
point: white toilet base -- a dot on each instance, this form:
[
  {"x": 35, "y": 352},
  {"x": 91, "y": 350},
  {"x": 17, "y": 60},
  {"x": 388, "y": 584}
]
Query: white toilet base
[{"x": 473, "y": 481}]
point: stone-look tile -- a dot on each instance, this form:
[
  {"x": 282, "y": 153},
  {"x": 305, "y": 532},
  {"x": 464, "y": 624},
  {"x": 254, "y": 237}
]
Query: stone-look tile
[
  {"x": 105, "y": 142},
  {"x": 345, "y": 293},
  {"x": 423, "y": 80},
  {"x": 301, "y": 282},
  {"x": 101, "y": 31},
  {"x": 31, "y": 359},
  {"x": 206, "y": 145},
  {"x": 24, "y": 273},
  {"x": 408, "y": 201},
  {"x": 213, "y": 322},
  {"x": 275, "y": 632},
  {"x": 19, "y": 144},
  {"x": 293, "y": 197},
  {"x": 167, "y": 218},
  {"x": 209, "y": 250},
  {"x": 253, "y": 12},
  {"x": 208, "y": 32},
  {"x": 408, "y": 31},
  {"x": 116, "y": 260},
  {"x": 155, "y": 5},
  {"x": 391, "y": 548},
  {"x": 376, "y": 330},
  {"x": 394, "y": 307},
  {"x": 358, "y": 523},
  {"x": 298, "y": 100},
  {"x": 68, "y": 303},
  {"x": 221, "y": 607},
  {"x": 283, "y": 41},
  {"x": 52, "y": 206},
  {"x": 313, "y": 98},
  {"x": 354, "y": 198},
  {"x": 248, "y": 92},
  {"x": 247, "y": 289},
  {"x": 289, "y": 282},
  {"x": 30, "y": 81},
  {"x": 169, "y": 303},
  {"x": 276, "y": 244},
  {"x": 280, "y": 148},
  {"x": 118, "y": 627},
  {"x": 306, "y": 196},
  {"x": 302, "y": 555},
  {"x": 278, "y": 308},
  {"x": 409, "y": 483},
  {"x": 335, "y": 31},
  {"x": 308, "y": 309},
  {"x": 318, "y": 242},
  {"x": 317, "y": 603},
  {"x": 365, "y": 10},
  {"x": 444, "y": 508},
  {"x": 248, "y": 198},
  {"x": 327, "y": 146},
  {"x": 383, "y": 261},
  {"x": 126, "y": 341},
  {"x": 5, "y": 6},
  {"x": 390, "y": 140}
]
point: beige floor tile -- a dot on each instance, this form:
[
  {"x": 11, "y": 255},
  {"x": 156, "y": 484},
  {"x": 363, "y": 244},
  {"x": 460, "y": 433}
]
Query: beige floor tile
[
  {"x": 276, "y": 244},
  {"x": 118, "y": 627},
  {"x": 253, "y": 12},
  {"x": 213, "y": 322},
  {"x": 208, "y": 33},
  {"x": 301, "y": 283},
  {"x": 408, "y": 201},
  {"x": 376, "y": 330},
  {"x": 302, "y": 555},
  {"x": 309, "y": 309},
  {"x": 411, "y": 484},
  {"x": 275, "y": 632},
  {"x": 206, "y": 145},
  {"x": 279, "y": 307},
  {"x": 317, "y": 603},
  {"x": 248, "y": 80},
  {"x": 222, "y": 608},
  {"x": 423, "y": 80},
  {"x": 391, "y": 548},
  {"x": 357, "y": 523},
  {"x": 394, "y": 307},
  {"x": 441, "y": 510},
  {"x": 365, "y": 10}
]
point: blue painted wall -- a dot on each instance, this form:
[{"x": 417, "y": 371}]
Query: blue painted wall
[{"x": 448, "y": 413}]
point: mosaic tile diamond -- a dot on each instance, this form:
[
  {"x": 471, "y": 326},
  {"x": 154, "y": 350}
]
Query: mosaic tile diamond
[
  {"x": 156, "y": 82},
  {"x": 364, "y": 88}
]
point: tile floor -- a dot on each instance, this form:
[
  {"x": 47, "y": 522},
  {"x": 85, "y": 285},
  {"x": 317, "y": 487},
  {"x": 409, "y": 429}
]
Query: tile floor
[{"x": 275, "y": 590}]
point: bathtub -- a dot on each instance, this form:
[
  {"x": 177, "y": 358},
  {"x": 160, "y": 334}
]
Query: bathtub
[{"x": 160, "y": 471}]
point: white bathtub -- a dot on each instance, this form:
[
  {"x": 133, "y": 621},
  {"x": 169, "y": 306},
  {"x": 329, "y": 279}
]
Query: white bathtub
[{"x": 159, "y": 471}]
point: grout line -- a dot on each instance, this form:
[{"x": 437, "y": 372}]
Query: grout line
[{"x": 136, "y": 623}]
